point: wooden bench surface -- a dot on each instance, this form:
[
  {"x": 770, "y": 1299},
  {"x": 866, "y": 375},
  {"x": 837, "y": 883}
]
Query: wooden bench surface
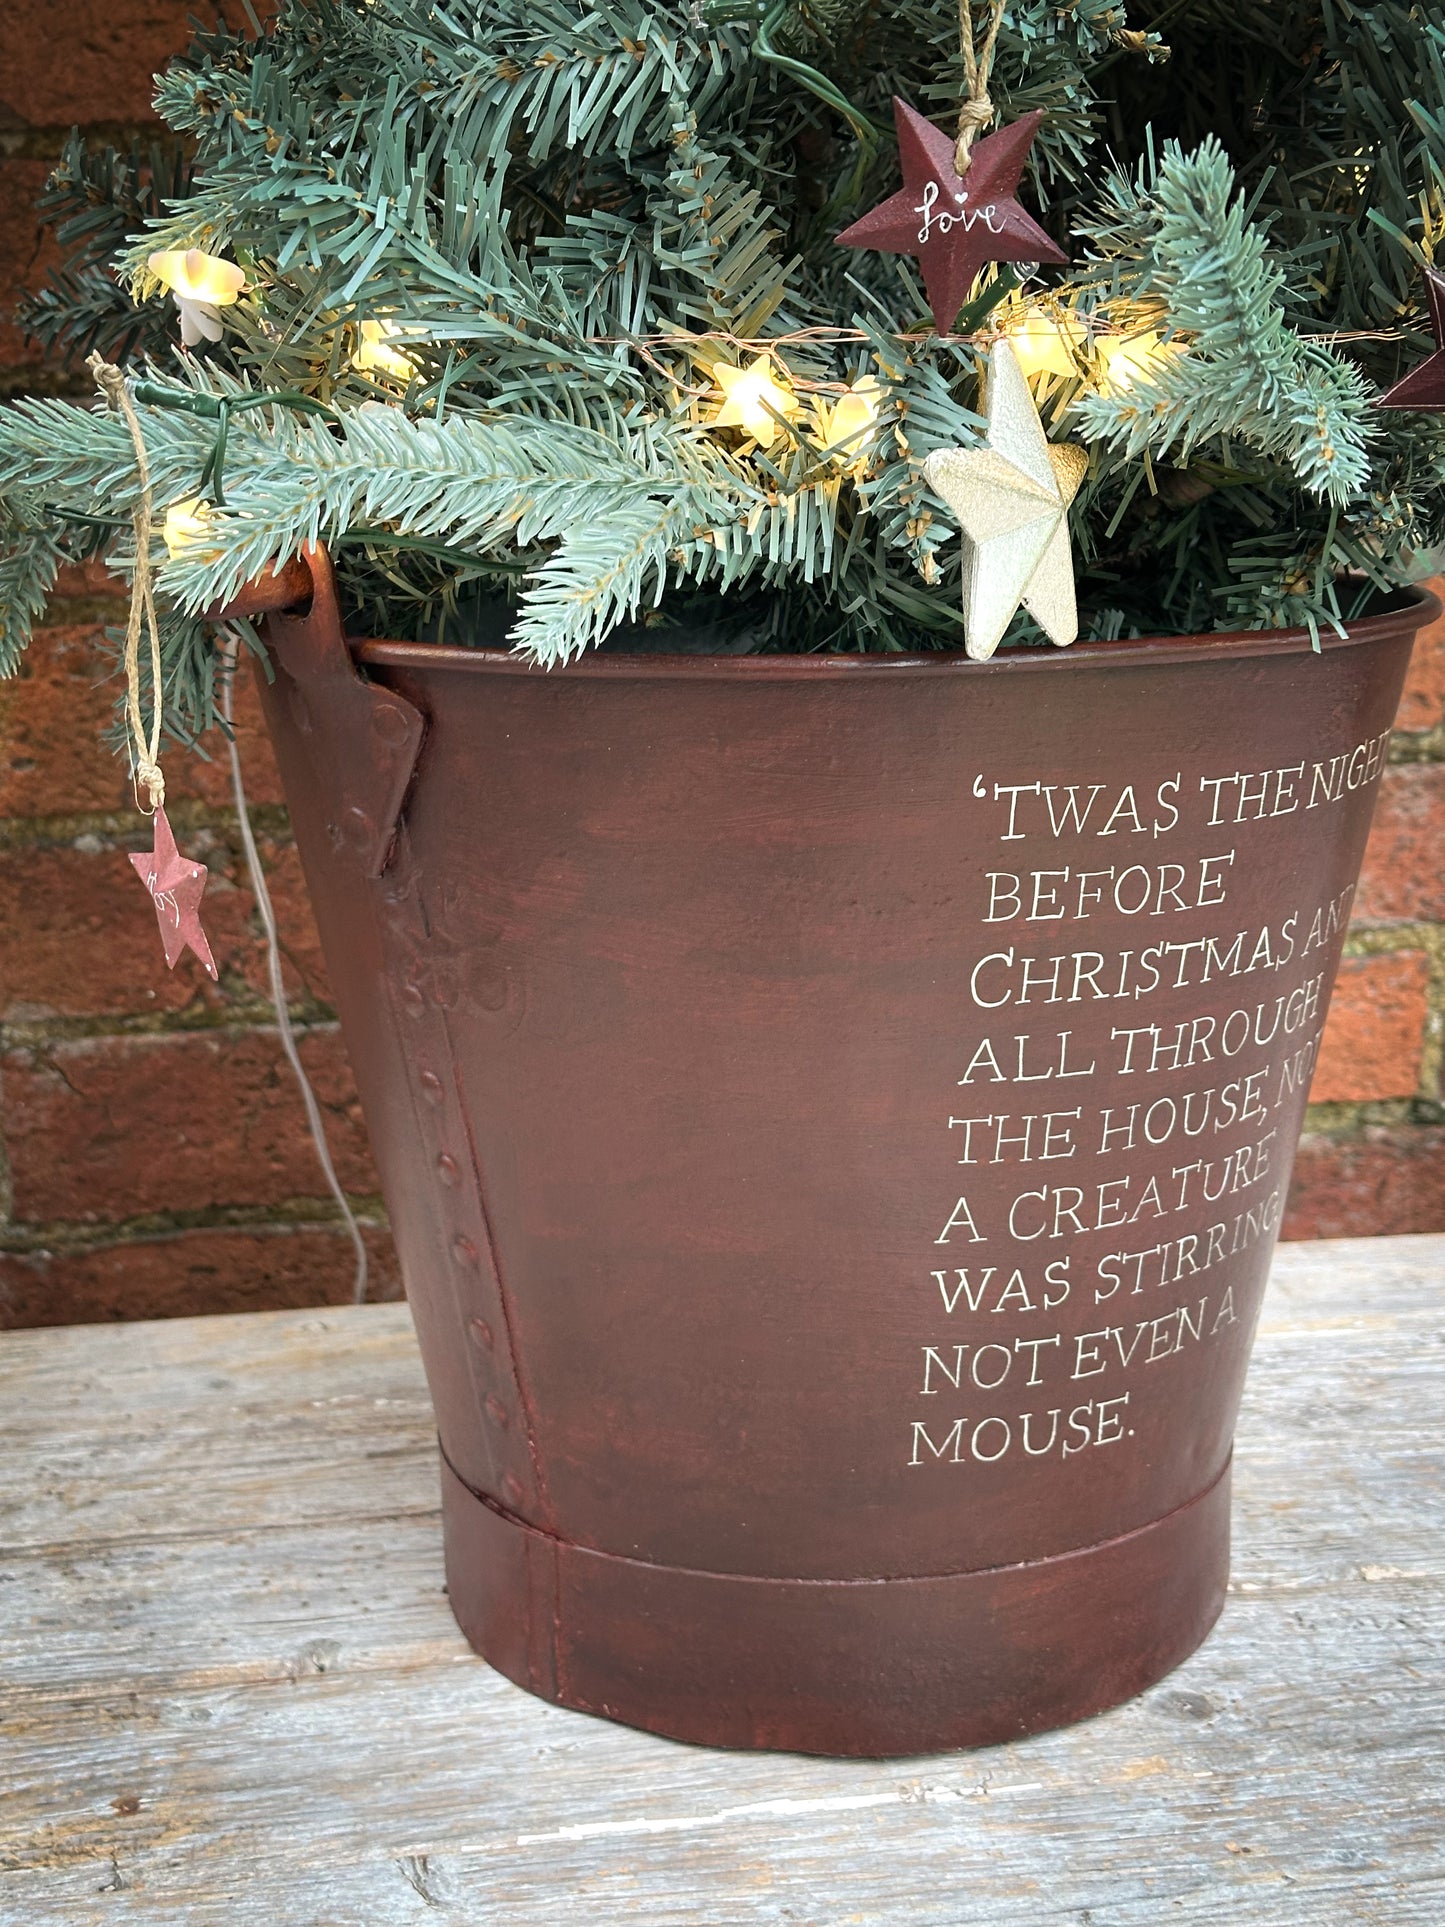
[{"x": 231, "y": 1691}]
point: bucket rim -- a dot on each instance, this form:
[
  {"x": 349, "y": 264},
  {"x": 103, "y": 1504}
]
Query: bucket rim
[{"x": 1418, "y": 606}]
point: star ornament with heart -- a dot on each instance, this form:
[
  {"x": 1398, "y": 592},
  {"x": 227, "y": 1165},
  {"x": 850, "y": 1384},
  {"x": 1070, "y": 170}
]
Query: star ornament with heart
[
  {"x": 175, "y": 885},
  {"x": 955, "y": 223},
  {"x": 1011, "y": 498}
]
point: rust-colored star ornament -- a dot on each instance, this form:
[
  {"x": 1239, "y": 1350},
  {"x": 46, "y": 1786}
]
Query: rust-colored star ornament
[
  {"x": 176, "y": 886},
  {"x": 954, "y": 223},
  {"x": 1011, "y": 498},
  {"x": 1424, "y": 387}
]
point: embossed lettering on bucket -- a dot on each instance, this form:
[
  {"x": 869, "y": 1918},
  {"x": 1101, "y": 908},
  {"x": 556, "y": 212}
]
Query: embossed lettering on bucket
[{"x": 835, "y": 1116}]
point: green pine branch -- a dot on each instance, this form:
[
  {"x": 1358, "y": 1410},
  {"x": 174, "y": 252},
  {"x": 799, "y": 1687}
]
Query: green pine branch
[
  {"x": 574, "y": 210},
  {"x": 1180, "y": 247},
  {"x": 30, "y": 557}
]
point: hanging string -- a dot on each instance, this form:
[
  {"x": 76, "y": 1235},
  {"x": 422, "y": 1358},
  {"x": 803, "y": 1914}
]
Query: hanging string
[
  {"x": 145, "y": 749},
  {"x": 230, "y": 656},
  {"x": 977, "y": 110},
  {"x": 145, "y": 744}
]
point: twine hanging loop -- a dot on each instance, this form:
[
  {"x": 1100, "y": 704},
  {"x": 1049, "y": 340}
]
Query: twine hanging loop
[
  {"x": 145, "y": 744},
  {"x": 977, "y": 111}
]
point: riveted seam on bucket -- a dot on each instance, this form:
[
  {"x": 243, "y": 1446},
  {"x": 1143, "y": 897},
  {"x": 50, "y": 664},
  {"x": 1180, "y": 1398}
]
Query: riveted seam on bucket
[
  {"x": 405, "y": 868},
  {"x": 315, "y": 652},
  {"x": 514, "y": 1359},
  {"x": 316, "y": 642}
]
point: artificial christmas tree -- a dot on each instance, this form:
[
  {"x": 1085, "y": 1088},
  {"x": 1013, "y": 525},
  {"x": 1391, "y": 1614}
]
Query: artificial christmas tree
[{"x": 833, "y": 1095}]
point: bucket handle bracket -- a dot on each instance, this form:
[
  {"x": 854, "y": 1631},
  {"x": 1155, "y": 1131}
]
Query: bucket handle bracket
[{"x": 370, "y": 735}]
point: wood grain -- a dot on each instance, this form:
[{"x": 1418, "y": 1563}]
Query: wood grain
[{"x": 231, "y": 1691}]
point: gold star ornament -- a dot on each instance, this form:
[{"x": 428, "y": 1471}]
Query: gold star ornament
[{"x": 1011, "y": 498}]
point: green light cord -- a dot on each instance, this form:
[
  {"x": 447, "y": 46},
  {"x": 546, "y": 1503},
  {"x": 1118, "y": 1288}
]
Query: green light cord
[
  {"x": 219, "y": 409},
  {"x": 769, "y": 18}
]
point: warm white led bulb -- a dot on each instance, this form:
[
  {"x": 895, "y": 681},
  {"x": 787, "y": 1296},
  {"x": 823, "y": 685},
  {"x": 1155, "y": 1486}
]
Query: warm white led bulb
[
  {"x": 197, "y": 276},
  {"x": 374, "y": 351},
  {"x": 201, "y": 285},
  {"x": 855, "y": 412},
  {"x": 1045, "y": 343},
  {"x": 186, "y": 523},
  {"x": 748, "y": 395},
  {"x": 1128, "y": 358}
]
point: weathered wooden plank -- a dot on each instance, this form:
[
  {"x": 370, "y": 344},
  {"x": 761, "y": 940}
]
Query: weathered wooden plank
[
  {"x": 232, "y": 1692},
  {"x": 1337, "y": 1282},
  {"x": 111, "y": 1374},
  {"x": 1194, "y": 1802},
  {"x": 190, "y": 1613},
  {"x": 210, "y": 1425}
]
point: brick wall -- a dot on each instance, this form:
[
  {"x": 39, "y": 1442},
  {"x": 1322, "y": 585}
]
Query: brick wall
[
  {"x": 153, "y": 1154},
  {"x": 154, "y": 1157},
  {"x": 1373, "y": 1155}
]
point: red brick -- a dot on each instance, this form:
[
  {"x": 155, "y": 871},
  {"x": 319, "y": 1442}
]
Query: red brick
[
  {"x": 295, "y": 925},
  {"x": 1376, "y": 1029},
  {"x": 27, "y": 253},
  {"x": 1384, "y": 1182},
  {"x": 303, "y": 968},
  {"x": 1403, "y": 880},
  {"x": 85, "y": 579},
  {"x": 78, "y": 934},
  {"x": 190, "y": 1273},
  {"x": 56, "y": 712},
  {"x": 90, "y": 60},
  {"x": 52, "y": 718},
  {"x": 107, "y": 1128},
  {"x": 78, "y": 938},
  {"x": 190, "y": 775},
  {"x": 1423, "y": 704}
]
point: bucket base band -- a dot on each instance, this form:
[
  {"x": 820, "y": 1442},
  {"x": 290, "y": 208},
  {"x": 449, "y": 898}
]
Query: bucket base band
[{"x": 864, "y": 1667}]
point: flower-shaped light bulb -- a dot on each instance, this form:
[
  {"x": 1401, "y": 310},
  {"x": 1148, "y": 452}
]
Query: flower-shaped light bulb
[
  {"x": 748, "y": 395},
  {"x": 187, "y": 522},
  {"x": 374, "y": 351},
  {"x": 854, "y": 413},
  {"x": 201, "y": 285}
]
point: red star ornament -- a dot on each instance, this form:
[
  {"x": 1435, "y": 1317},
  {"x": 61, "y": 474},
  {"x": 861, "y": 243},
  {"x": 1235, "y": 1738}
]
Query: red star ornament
[
  {"x": 176, "y": 886},
  {"x": 955, "y": 223},
  {"x": 1424, "y": 387}
]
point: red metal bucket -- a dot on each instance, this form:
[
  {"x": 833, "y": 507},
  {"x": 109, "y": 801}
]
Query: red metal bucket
[{"x": 835, "y": 1115}]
